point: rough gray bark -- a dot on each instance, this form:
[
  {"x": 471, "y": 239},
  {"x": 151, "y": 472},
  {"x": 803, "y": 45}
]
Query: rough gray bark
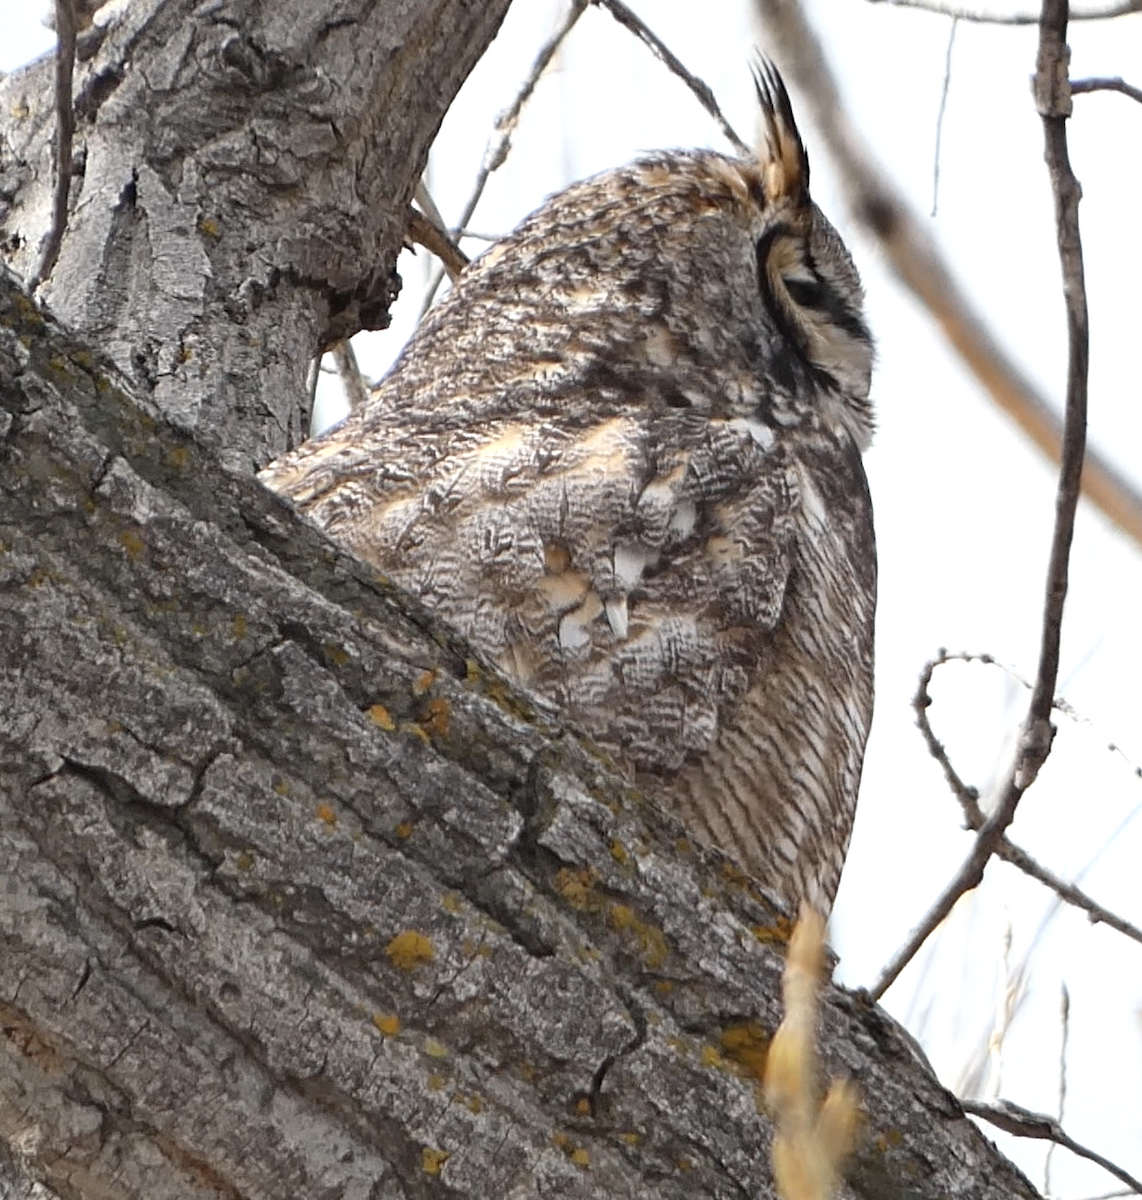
[
  {"x": 243, "y": 171},
  {"x": 298, "y": 898}
]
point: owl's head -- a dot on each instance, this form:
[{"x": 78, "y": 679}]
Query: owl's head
[{"x": 805, "y": 272}]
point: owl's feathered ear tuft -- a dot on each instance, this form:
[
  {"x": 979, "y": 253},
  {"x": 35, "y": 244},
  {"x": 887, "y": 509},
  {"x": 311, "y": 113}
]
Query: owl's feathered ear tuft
[{"x": 785, "y": 165}]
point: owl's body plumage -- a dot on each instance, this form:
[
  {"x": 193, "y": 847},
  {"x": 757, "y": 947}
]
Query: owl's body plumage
[{"x": 624, "y": 458}]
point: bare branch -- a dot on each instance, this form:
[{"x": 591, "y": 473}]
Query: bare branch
[
  {"x": 500, "y": 141},
  {"x": 424, "y": 232},
  {"x": 986, "y": 16},
  {"x": 1110, "y": 84},
  {"x": 65, "y": 132},
  {"x": 1021, "y": 1122},
  {"x": 919, "y": 264},
  {"x": 1052, "y": 98},
  {"x": 662, "y": 52},
  {"x": 345, "y": 360}
]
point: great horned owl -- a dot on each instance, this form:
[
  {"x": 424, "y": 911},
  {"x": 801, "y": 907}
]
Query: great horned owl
[{"x": 624, "y": 458}]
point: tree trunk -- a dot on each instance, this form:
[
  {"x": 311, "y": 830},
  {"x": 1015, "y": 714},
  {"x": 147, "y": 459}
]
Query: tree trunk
[{"x": 299, "y": 898}]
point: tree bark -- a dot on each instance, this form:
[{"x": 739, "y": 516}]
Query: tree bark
[{"x": 299, "y": 898}]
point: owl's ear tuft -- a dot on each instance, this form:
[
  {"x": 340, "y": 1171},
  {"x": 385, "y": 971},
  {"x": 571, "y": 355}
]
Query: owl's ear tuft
[{"x": 784, "y": 163}]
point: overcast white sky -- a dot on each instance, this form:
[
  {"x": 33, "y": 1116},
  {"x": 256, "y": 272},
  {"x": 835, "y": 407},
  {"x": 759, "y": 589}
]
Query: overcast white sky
[{"x": 963, "y": 504}]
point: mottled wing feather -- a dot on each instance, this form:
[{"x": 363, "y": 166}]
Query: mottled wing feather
[{"x": 632, "y": 572}]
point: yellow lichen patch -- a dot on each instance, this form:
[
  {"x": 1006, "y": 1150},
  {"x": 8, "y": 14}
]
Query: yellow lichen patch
[
  {"x": 583, "y": 1106},
  {"x": 435, "y": 1048},
  {"x": 416, "y": 731},
  {"x": 178, "y": 456},
  {"x": 561, "y": 1140},
  {"x": 436, "y": 1082},
  {"x": 409, "y": 949},
  {"x": 238, "y": 625},
  {"x": 432, "y": 1159},
  {"x": 130, "y": 540},
  {"x": 710, "y": 1057},
  {"x": 684, "y": 1164},
  {"x": 651, "y": 940},
  {"x": 379, "y": 715},
  {"x": 210, "y": 227},
  {"x": 889, "y": 1140},
  {"x": 576, "y": 886},
  {"x": 580, "y": 1157},
  {"x": 776, "y": 934},
  {"x": 387, "y": 1023},
  {"x": 438, "y": 717},
  {"x": 747, "y": 1045},
  {"x": 619, "y": 853},
  {"x": 472, "y": 672},
  {"x": 473, "y": 1103},
  {"x": 281, "y": 786},
  {"x": 325, "y": 813},
  {"x": 244, "y": 861},
  {"x": 423, "y": 682},
  {"x": 682, "y": 845},
  {"x": 337, "y": 655},
  {"x": 450, "y": 902},
  {"x": 404, "y": 830},
  {"x": 631, "y": 1137},
  {"x": 184, "y": 355}
]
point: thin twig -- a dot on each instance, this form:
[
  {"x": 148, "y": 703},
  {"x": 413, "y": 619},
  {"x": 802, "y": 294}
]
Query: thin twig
[
  {"x": 662, "y": 52},
  {"x": 65, "y": 132},
  {"x": 914, "y": 256},
  {"x": 1065, "y": 1023},
  {"x": 1052, "y": 97},
  {"x": 1108, "y": 84},
  {"x": 1021, "y": 1122},
  {"x": 940, "y": 114},
  {"x": 985, "y": 16},
  {"x": 500, "y": 141},
  {"x": 345, "y": 360},
  {"x": 969, "y": 797}
]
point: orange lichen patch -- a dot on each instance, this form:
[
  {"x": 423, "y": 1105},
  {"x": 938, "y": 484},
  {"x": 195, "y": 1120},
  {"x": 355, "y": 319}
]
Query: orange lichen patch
[
  {"x": 379, "y": 715},
  {"x": 664, "y": 986},
  {"x": 238, "y": 625},
  {"x": 325, "y": 813},
  {"x": 561, "y": 1140},
  {"x": 583, "y": 1106},
  {"x": 404, "y": 830},
  {"x": 619, "y": 853},
  {"x": 387, "y": 1023},
  {"x": 432, "y": 1159},
  {"x": 130, "y": 540},
  {"x": 778, "y": 933},
  {"x": 684, "y": 1164},
  {"x": 747, "y": 1045},
  {"x": 409, "y": 949},
  {"x": 423, "y": 682},
  {"x": 438, "y": 717}
]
